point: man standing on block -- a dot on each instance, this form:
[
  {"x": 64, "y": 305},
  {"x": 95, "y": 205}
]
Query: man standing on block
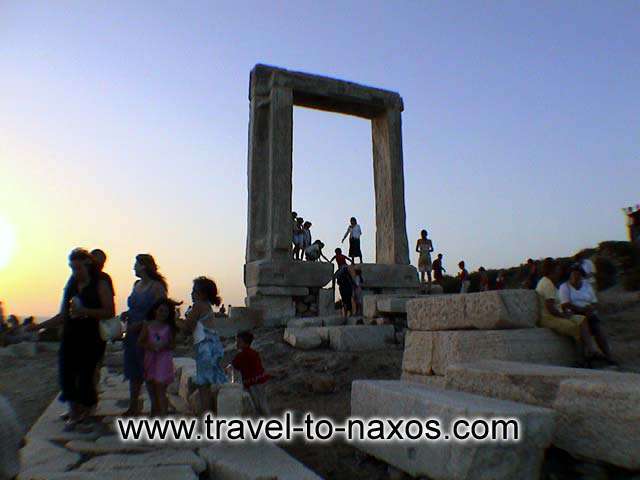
[{"x": 354, "y": 232}]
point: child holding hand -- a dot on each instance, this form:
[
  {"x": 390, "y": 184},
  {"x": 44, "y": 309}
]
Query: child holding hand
[{"x": 158, "y": 340}]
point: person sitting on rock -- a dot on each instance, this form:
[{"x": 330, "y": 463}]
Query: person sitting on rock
[
  {"x": 578, "y": 298},
  {"x": 313, "y": 252},
  {"x": 249, "y": 364},
  {"x": 500, "y": 281},
  {"x": 553, "y": 317},
  {"x": 588, "y": 268}
]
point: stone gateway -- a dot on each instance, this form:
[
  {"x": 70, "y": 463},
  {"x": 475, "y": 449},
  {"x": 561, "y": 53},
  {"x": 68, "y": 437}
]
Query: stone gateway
[{"x": 271, "y": 276}]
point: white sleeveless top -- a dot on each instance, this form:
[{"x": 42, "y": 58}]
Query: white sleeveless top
[{"x": 198, "y": 332}]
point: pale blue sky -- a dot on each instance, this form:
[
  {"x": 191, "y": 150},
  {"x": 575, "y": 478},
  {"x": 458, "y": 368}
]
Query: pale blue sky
[{"x": 124, "y": 125}]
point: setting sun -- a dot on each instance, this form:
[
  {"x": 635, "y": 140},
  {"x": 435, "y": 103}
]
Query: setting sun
[{"x": 7, "y": 242}]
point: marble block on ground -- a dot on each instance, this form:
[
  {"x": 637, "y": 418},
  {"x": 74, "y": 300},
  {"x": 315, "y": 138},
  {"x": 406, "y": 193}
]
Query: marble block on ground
[
  {"x": 598, "y": 411},
  {"x": 452, "y": 459},
  {"x": 157, "y": 458},
  {"x": 305, "y": 338},
  {"x": 253, "y": 461},
  {"x": 428, "y": 353},
  {"x": 494, "y": 310},
  {"x": 358, "y": 338}
]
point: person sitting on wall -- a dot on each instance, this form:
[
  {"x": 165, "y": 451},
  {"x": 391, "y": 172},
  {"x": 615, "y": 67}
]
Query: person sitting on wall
[
  {"x": 577, "y": 297},
  {"x": 313, "y": 252}
]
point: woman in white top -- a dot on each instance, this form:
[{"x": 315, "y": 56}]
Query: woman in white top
[
  {"x": 209, "y": 349},
  {"x": 354, "y": 232},
  {"x": 578, "y": 298}
]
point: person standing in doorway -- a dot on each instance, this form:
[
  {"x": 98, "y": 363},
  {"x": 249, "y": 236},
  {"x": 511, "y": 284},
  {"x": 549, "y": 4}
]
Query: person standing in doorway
[
  {"x": 424, "y": 247},
  {"x": 354, "y": 232}
]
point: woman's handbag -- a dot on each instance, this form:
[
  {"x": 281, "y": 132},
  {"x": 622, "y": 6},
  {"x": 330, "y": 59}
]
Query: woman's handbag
[{"x": 110, "y": 329}]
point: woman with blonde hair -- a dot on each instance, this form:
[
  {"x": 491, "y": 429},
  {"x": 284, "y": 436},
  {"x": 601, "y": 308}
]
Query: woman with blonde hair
[{"x": 147, "y": 291}]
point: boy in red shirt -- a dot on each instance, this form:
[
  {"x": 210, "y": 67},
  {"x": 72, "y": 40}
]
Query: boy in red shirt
[
  {"x": 249, "y": 364},
  {"x": 341, "y": 260}
]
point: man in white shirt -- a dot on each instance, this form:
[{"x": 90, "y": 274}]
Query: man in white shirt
[
  {"x": 578, "y": 298},
  {"x": 354, "y": 233}
]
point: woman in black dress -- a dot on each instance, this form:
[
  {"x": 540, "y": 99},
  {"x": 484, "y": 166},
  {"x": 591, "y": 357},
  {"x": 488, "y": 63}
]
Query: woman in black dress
[{"x": 87, "y": 299}]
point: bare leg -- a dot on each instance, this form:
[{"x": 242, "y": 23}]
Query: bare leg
[
  {"x": 151, "y": 390},
  {"x": 429, "y": 278},
  {"x": 600, "y": 338},
  {"x": 134, "y": 397},
  {"x": 422, "y": 277},
  {"x": 586, "y": 340},
  {"x": 162, "y": 400},
  {"x": 205, "y": 399}
]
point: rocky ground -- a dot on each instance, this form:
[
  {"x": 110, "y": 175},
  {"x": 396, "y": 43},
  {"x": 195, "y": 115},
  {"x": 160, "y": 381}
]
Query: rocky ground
[{"x": 318, "y": 381}]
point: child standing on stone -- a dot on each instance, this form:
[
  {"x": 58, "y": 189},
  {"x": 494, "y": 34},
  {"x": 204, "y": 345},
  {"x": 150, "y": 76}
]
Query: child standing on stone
[
  {"x": 209, "y": 349},
  {"x": 463, "y": 276},
  {"x": 158, "y": 340},
  {"x": 298, "y": 239},
  {"x": 249, "y": 364}
]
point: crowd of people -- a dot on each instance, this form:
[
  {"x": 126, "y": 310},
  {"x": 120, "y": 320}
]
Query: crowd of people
[
  {"x": 151, "y": 324},
  {"x": 306, "y": 249},
  {"x": 13, "y": 331}
]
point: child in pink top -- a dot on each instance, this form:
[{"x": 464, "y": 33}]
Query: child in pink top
[{"x": 157, "y": 339}]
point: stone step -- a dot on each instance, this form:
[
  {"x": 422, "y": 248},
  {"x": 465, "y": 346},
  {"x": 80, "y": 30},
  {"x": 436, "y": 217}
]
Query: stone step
[
  {"x": 452, "y": 459},
  {"x": 180, "y": 472},
  {"x": 598, "y": 411},
  {"x": 253, "y": 461},
  {"x": 494, "y": 310},
  {"x": 40, "y": 457},
  {"x": 158, "y": 458},
  {"x": 428, "y": 353}
]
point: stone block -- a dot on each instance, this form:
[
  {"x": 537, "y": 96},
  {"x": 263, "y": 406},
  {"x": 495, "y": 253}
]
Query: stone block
[
  {"x": 392, "y": 306},
  {"x": 494, "y": 310},
  {"x": 600, "y": 420},
  {"x": 253, "y": 461},
  {"x": 378, "y": 275},
  {"x": 326, "y": 302},
  {"x": 598, "y": 411},
  {"x": 287, "y": 274},
  {"x": 451, "y": 459},
  {"x": 107, "y": 444},
  {"x": 304, "y": 322},
  {"x": 42, "y": 456},
  {"x": 427, "y": 353},
  {"x": 303, "y": 338},
  {"x": 278, "y": 291},
  {"x": 356, "y": 338},
  {"x": 240, "y": 318},
  {"x": 157, "y": 458},
  {"x": 436, "y": 381},
  {"x": 275, "y": 311},
  {"x": 230, "y": 400}
]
